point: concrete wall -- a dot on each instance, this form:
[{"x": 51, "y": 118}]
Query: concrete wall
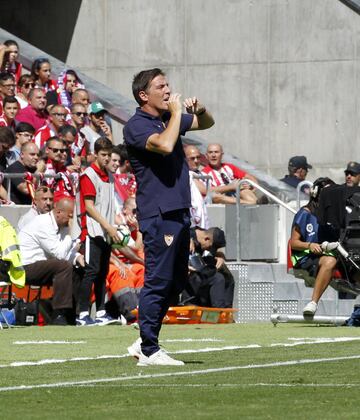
[{"x": 280, "y": 76}]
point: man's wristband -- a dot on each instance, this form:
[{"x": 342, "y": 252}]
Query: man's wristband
[{"x": 201, "y": 112}]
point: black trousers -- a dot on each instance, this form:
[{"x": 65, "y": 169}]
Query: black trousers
[
  {"x": 96, "y": 268},
  {"x": 211, "y": 288}
]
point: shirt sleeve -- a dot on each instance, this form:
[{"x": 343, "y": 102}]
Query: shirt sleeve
[
  {"x": 87, "y": 187},
  {"x": 186, "y": 122},
  {"x": 49, "y": 242},
  {"x": 138, "y": 131},
  {"x": 238, "y": 173}
]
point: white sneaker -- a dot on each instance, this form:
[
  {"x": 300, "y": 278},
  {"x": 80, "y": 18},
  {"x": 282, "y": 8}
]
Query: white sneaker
[
  {"x": 135, "y": 348},
  {"x": 310, "y": 309},
  {"x": 160, "y": 358}
]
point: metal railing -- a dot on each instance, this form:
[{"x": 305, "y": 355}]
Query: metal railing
[
  {"x": 121, "y": 108},
  {"x": 238, "y": 218}
]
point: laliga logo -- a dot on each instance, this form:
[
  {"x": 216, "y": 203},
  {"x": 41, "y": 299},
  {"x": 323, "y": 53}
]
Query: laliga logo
[{"x": 309, "y": 228}]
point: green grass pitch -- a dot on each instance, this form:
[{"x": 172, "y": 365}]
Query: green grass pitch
[{"x": 231, "y": 371}]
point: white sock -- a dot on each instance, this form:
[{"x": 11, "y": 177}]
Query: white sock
[
  {"x": 83, "y": 314},
  {"x": 99, "y": 314}
]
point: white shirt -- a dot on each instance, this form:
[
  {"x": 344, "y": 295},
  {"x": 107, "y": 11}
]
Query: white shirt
[
  {"x": 26, "y": 218},
  {"x": 42, "y": 239},
  {"x": 198, "y": 211},
  {"x": 91, "y": 136}
]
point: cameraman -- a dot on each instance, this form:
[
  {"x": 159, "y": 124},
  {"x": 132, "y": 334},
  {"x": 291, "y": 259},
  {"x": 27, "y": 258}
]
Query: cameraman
[{"x": 210, "y": 282}]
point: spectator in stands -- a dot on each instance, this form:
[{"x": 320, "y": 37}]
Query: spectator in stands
[
  {"x": 43, "y": 203},
  {"x": 57, "y": 119},
  {"x": 307, "y": 253},
  {"x": 7, "y": 141},
  {"x": 68, "y": 81},
  {"x": 78, "y": 119},
  {"x": 97, "y": 127},
  {"x": 352, "y": 174},
  {"x": 114, "y": 162},
  {"x": 24, "y": 86},
  {"x": 49, "y": 254},
  {"x": 24, "y": 132},
  {"x": 81, "y": 96},
  {"x": 41, "y": 72},
  {"x": 56, "y": 152},
  {"x": 124, "y": 179},
  {"x": 298, "y": 168},
  {"x": 21, "y": 188},
  {"x": 10, "y": 109},
  {"x": 35, "y": 113},
  {"x": 225, "y": 178},
  {"x": 97, "y": 223},
  {"x": 198, "y": 210},
  {"x": 67, "y": 133},
  {"x": 210, "y": 282},
  {"x": 9, "y": 53},
  {"x": 7, "y": 87}
]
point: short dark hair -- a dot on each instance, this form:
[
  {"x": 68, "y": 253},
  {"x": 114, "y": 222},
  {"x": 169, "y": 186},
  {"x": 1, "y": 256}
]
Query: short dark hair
[
  {"x": 142, "y": 81},
  {"x": 102, "y": 143},
  {"x": 6, "y": 76},
  {"x": 24, "y": 79},
  {"x": 123, "y": 153},
  {"x": 9, "y": 100},
  {"x": 54, "y": 138},
  {"x": 7, "y": 136},
  {"x": 67, "y": 129},
  {"x": 24, "y": 127}
]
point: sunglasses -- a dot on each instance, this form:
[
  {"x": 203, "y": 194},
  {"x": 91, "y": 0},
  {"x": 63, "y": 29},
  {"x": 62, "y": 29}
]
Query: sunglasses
[
  {"x": 347, "y": 173},
  {"x": 80, "y": 114},
  {"x": 58, "y": 115},
  {"x": 29, "y": 85},
  {"x": 56, "y": 150}
]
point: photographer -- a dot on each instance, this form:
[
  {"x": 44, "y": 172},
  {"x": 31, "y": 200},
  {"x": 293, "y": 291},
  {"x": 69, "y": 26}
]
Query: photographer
[{"x": 210, "y": 282}]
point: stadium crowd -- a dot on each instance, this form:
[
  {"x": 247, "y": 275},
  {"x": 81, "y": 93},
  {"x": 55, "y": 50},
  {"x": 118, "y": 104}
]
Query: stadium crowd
[{"x": 58, "y": 154}]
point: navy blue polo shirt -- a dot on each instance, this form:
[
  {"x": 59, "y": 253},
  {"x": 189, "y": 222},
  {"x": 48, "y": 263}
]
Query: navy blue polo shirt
[{"x": 162, "y": 181}]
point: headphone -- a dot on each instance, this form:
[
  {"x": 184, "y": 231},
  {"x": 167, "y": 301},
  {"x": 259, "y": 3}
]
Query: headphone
[{"x": 318, "y": 185}]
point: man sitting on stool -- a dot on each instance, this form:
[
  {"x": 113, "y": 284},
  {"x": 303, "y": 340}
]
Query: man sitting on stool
[
  {"x": 210, "y": 282},
  {"x": 49, "y": 253}
]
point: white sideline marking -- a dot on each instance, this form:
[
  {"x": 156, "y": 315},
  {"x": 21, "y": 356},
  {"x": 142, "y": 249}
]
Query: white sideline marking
[
  {"x": 22, "y": 343},
  {"x": 204, "y": 350},
  {"x": 314, "y": 340},
  {"x": 310, "y": 385},
  {"x": 182, "y": 373},
  {"x": 192, "y": 340}
]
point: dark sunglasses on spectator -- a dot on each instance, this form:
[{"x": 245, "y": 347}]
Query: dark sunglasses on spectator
[
  {"x": 28, "y": 85},
  {"x": 350, "y": 173},
  {"x": 81, "y": 114},
  {"x": 59, "y": 115},
  {"x": 56, "y": 150}
]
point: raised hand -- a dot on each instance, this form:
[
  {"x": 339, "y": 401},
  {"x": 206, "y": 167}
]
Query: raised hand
[
  {"x": 174, "y": 103},
  {"x": 193, "y": 106}
]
